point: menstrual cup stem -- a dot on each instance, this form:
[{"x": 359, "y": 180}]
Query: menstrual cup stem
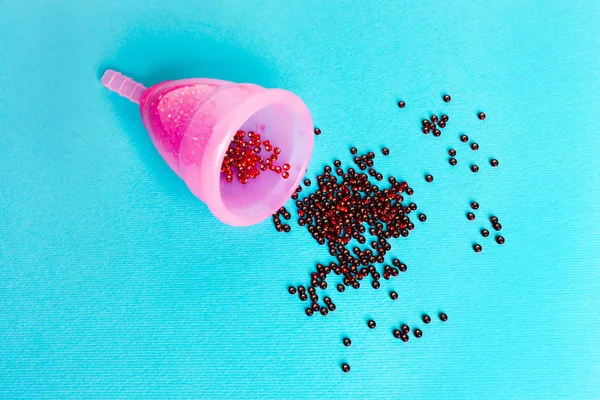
[{"x": 123, "y": 85}]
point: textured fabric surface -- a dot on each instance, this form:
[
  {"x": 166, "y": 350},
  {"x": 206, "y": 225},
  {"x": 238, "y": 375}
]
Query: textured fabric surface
[{"x": 115, "y": 282}]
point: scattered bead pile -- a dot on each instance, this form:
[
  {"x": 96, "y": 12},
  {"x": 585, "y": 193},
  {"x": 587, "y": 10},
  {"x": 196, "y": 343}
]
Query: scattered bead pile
[{"x": 347, "y": 206}]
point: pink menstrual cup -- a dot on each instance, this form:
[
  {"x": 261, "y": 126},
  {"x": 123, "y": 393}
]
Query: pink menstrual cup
[{"x": 192, "y": 122}]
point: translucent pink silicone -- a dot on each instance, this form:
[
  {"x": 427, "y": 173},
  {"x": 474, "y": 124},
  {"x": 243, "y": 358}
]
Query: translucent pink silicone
[{"x": 192, "y": 121}]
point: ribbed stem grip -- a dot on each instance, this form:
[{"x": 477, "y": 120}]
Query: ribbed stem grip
[{"x": 123, "y": 85}]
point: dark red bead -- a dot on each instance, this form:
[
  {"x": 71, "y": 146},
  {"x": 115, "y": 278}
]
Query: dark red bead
[
  {"x": 309, "y": 312},
  {"x": 447, "y": 98},
  {"x": 405, "y": 328},
  {"x": 497, "y": 226},
  {"x": 426, "y": 319},
  {"x": 324, "y": 311},
  {"x": 452, "y": 161},
  {"x": 347, "y": 342},
  {"x": 353, "y": 150},
  {"x": 443, "y": 317},
  {"x": 404, "y": 337},
  {"x": 385, "y": 151},
  {"x": 346, "y": 368},
  {"x": 474, "y": 168},
  {"x": 452, "y": 152},
  {"x": 494, "y": 162},
  {"x": 397, "y": 333},
  {"x": 422, "y": 217},
  {"x": 485, "y": 233},
  {"x": 317, "y": 131},
  {"x": 375, "y": 284},
  {"x": 474, "y": 146},
  {"x": 464, "y": 138},
  {"x": 475, "y": 205},
  {"x": 394, "y": 295},
  {"x": 429, "y": 178},
  {"x": 477, "y": 248},
  {"x": 499, "y": 239},
  {"x": 418, "y": 333},
  {"x": 401, "y": 104},
  {"x": 470, "y": 216},
  {"x": 371, "y": 324},
  {"x": 481, "y": 116}
]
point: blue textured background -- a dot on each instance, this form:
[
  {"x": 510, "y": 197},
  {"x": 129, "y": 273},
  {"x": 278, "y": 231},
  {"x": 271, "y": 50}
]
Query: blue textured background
[{"x": 115, "y": 282}]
